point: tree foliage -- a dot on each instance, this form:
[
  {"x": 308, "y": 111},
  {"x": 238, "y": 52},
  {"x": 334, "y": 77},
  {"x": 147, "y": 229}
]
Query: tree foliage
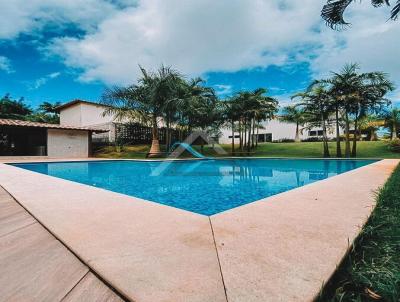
[{"x": 333, "y": 11}]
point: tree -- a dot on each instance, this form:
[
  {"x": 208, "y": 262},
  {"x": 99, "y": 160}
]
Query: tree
[
  {"x": 252, "y": 107},
  {"x": 392, "y": 121},
  {"x": 316, "y": 103},
  {"x": 295, "y": 115},
  {"x": 13, "y": 109},
  {"x": 50, "y": 108},
  {"x": 333, "y": 11},
  {"x": 145, "y": 101},
  {"x": 356, "y": 94},
  {"x": 371, "y": 124}
]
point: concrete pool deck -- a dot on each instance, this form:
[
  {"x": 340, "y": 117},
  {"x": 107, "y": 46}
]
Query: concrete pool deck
[{"x": 281, "y": 248}]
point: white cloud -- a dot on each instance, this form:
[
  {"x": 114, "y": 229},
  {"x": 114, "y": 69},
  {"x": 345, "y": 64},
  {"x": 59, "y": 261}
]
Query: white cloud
[
  {"x": 43, "y": 80},
  {"x": 194, "y": 37},
  {"x": 5, "y": 65},
  {"x": 371, "y": 41},
  {"x": 21, "y": 16},
  {"x": 199, "y": 36}
]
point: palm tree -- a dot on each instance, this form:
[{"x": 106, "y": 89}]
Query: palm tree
[
  {"x": 356, "y": 94},
  {"x": 145, "y": 101},
  {"x": 333, "y": 11},
  {"x": 252, "y": 107},
  {"x": 316, "y": 103},
  {"x": 392, "y": 121},
  {"x": 295, "y": 115},
  {"x": 371, "y": 124}
]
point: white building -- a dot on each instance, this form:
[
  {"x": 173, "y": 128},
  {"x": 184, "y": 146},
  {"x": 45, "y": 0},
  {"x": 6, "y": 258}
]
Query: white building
[
  {"x": 24, "y": 138},
  {"x": 88, "y": 114},
  {"x": 276, "y": 130}
]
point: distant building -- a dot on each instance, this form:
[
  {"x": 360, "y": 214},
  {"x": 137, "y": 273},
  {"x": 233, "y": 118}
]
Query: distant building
[{"x": 276, "y": 130}]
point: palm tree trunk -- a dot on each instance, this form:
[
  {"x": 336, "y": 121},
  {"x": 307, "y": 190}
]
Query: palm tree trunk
[
  {"x": 325, "y": 139},
  {"x": 347, "y": 147},
  {"x": 244, "y": 134},
  {"x": 249, "y": 138},
  {"x": 394, "y": 130},
  {"x": 338, "y": 146},
  {"x": 258, "y": 128},
  {"x": 240, "y": 136},
  {"x": 233, "y": 136},
  {"x": 297, "y": 137},
  {"x": 354, "y": 150},
  {"x": 155, "y": 144},
  {"x": 253, "y": 138}
]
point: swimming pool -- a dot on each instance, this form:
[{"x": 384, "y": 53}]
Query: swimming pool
[{"x": 202, "y": 186}]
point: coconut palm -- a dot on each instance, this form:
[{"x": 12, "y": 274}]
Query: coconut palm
[
  {"x": 333, "y": 11},
  {"x": 295, "y": 115},
  {"x": 145, "y": 101}
]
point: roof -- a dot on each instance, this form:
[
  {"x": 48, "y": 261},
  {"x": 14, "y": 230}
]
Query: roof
[
  {"x": 77, "y": 101},
  {"x": 19, "y": 123}
]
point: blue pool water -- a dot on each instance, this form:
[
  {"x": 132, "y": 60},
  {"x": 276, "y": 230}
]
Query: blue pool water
[{"x": 204, "y": 186}]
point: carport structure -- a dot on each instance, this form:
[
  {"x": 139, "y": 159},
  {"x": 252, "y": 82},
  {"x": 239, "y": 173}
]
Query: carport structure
[{"x": 25, "y": 138}]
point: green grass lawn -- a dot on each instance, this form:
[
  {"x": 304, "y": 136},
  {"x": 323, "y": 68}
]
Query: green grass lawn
[
  {"x": 371, "y": 270},
  {"x": 306, "y": 149}
]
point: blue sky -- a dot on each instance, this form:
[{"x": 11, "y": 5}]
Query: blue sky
[{"x": 62, "y": 50}]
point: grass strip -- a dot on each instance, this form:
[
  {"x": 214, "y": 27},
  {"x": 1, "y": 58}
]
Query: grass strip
[{"x": 371, "y": 270}]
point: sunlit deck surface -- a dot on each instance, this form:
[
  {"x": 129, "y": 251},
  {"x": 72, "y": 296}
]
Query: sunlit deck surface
[{"x": 35, "y": 266}]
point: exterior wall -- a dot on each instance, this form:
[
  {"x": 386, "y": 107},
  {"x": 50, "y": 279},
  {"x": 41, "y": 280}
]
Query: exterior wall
[
  {"x": 93, "y": 115},
  {"x": 71, "y": 116},
  {"x": 67, "y": 143},
  {"x": 279, "y": 130},
  {"x": 89, "y": 115}
]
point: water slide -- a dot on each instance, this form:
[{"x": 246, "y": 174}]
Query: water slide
[{"x": 187, "y": 147}]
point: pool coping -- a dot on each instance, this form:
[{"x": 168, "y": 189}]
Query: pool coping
[{"x": 205, "y": 258}]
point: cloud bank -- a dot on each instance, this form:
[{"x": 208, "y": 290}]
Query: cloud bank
[{"x": 197, "y": 37}]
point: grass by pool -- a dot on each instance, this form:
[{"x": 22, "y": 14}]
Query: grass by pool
[
  {"x": 366, "y": 149},
  {"x": 204, "y": 186}
]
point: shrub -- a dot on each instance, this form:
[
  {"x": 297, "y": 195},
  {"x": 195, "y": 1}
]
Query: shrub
[
  {"x": 394, "y": 145},
  {"x": 312, "y": 139},
  {"x": 284, "y": 140}
]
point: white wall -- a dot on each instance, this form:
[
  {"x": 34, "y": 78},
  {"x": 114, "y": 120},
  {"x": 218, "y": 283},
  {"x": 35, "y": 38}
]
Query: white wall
[
  {"x": 67, "y": 143},
  {"x": 71, "y": 115},
  {"x": 89, "y": 115}
]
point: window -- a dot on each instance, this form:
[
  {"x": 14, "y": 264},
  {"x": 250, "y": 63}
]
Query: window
[{"x": 315, "y": 133}]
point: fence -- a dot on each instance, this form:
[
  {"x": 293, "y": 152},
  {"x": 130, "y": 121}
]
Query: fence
[{"x": 136, "y": 134}]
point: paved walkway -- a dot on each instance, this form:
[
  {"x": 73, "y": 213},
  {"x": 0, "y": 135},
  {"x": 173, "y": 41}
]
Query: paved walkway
[{"x": 35, "y": 266}]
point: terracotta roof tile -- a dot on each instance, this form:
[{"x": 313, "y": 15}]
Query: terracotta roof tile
[{"x": 19, "y": 123}]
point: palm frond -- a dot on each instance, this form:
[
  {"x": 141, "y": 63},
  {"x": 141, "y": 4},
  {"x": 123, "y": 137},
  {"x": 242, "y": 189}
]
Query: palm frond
[{"x": 333, "y": 12}]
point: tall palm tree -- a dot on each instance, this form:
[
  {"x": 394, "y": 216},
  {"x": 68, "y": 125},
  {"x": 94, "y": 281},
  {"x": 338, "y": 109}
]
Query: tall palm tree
[
  {"x": 295, "y": 115},
  {"x": 146, "y": 100},
  {"x": 316, "y": 103},
  {"x": 333, "y": 11},
  {"x": 357, "y": 94},
  {"x": 252, "y": 108}
]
